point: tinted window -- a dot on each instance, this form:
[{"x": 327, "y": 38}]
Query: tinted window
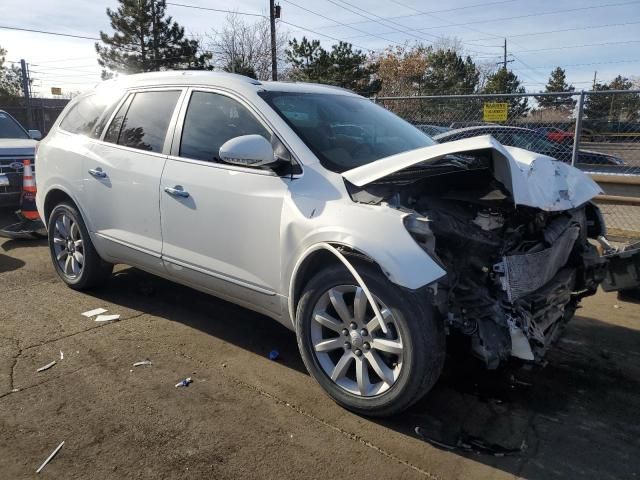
[
  {"x": 345, "y": 131},
  {"x": 142, "y": 122},
  {"x": 9, "y": 128},
  {"x": 211, "y": 120},
  {"x": 84, "y": 116}
]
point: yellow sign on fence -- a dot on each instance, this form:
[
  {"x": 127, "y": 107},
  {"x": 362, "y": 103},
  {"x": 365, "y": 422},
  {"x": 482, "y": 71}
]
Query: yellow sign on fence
[
  {"x": 495, "y": 112},
  {"x": 56, "y": 91}
]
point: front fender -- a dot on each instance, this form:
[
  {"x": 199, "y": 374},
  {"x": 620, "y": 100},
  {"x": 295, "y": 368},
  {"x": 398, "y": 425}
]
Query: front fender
[{"x": 377, "y": 232}]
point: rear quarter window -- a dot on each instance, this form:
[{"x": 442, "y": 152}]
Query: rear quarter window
[{"x": 89, "y": 114}]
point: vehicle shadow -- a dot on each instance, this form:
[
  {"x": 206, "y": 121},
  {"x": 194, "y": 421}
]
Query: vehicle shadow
[
  {"x": 577, "y": 416},
  {"x": 246, "y": 329},
  {"x": 9, "y": 245},
  {"x": 7, "y": 263}
]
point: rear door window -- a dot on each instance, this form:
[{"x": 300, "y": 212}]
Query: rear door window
[
  {"x": 143, "y": 120},
  {"x": 210, "y": 121}
]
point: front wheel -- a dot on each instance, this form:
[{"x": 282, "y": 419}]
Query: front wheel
[
  {"x": 74, "y": 257},
  {"x": 346, "y": 350}
]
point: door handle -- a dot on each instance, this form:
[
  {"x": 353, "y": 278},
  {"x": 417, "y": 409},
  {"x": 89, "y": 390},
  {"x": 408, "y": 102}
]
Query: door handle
[
  {"x": 98, "y": 173},
  {"x": 177, "y": 191}
]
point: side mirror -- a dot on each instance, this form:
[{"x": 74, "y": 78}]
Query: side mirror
[
  {"x": 248, "y": 151},
  {"x": 35, "y": 134}
]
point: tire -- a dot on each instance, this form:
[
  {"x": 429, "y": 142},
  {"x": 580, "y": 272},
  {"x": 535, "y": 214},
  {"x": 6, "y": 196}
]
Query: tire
[
  {"x": 65, "y": 223},
  {"x": 411, "y": 322}
]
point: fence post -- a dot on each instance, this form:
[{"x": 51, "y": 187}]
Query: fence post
[{"x": 578, "y": 130}]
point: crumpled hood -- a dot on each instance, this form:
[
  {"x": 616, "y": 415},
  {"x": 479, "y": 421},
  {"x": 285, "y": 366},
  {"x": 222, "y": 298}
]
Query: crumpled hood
[
  {"x": 17, "y": 147},
  {"x": 532, "y": 179}
]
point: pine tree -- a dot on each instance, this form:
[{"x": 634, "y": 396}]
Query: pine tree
[
  {"x": 146, "y": 40},
  {"x": 343, "y": 66},
  {"x": 505, "y": 81},
  {"x": 447, "y": 73},
  {"x": 613, "y": 107},
  {"x": 557, "y": 83},
  {"x": 241, "y": 68}
]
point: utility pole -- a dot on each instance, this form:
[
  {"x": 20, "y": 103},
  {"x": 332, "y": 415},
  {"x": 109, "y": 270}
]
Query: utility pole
[
  {"x": 25, "y": 91},
  {"x": 274, "y": 12},
  {"x": 505, "y": 55},
  {"x": 504, "y": 58},
  {"x": 595, "y": 75}
]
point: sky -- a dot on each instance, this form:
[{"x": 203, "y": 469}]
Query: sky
[{"x": 581, "y": 36}]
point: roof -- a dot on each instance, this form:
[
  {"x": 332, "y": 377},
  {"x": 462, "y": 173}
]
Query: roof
[{"x": 217, "y": 79}]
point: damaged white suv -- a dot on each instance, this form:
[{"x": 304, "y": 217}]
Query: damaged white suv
[{"x": 326, "y": 212}]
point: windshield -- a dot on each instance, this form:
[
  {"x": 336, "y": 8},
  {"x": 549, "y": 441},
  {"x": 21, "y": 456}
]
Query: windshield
[
  {"x": 345, "y": 132},
  {"x": 9, "y": 128}
]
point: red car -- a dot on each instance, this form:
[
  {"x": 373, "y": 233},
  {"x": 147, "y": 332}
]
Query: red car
[{"x": 556, "y": 135}]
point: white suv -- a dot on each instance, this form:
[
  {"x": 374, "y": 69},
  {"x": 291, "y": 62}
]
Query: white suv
[{"x": 328, "y": 213}]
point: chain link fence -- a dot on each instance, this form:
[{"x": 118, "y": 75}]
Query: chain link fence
[
  {"x": 44, "y": 113},
  {"x": 598, "y": 132}
]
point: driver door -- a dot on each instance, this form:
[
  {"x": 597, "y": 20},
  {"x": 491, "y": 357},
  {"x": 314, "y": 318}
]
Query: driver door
[{"x": 221, "y": 223}]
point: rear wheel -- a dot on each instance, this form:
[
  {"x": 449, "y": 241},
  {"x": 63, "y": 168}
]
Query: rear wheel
[
  {"x": 74, "y": 256},
  {"x": 346, "y": 350}
]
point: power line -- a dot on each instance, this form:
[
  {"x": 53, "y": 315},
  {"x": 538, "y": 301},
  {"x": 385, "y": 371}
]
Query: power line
[
  {"x": 323, "y": 34},
  {"x": 564, "y": 47},
  {"x": 464, "y": 7},
  {"x": 529, "y": 15},
  {"x": 367, "y": 34},
  {"x": 48, "y": 33},
  {"x": 220, "y": 10},
  {"x": 356, "y": 12},
  {"x": 532, "y": 34}
]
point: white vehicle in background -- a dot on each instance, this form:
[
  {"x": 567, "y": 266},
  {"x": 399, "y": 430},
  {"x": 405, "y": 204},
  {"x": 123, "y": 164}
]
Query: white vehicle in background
[
  {"x": 328, "y": 213},
  {"x": 16, "y": 145}
]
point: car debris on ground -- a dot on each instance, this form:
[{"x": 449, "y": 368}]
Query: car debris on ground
[
  {"x": 143, "y": 362},
  {"x": 184, "y": 383},
  {"x": 470, "y": 443},
  {"x": 46, "y": 367},
  {"x": 107, "y": 318},
  {"x": 53, "y": 454},
  {"x": 94, "y": 312}
]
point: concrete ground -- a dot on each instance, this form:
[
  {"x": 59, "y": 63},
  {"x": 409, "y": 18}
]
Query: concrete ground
[{"x": 245, "y": 416}]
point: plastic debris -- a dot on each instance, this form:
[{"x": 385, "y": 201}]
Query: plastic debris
[
  {"x": 616, "y": 306},
  {"x": 184, "y": 383},
  {"x": 274, "y": 354},
  {"x": 107, "y": 318},
  {"x": 469, "y": 443},
  {"x": 53, "y": 454},
  {"x": 47, "y": 366},
  {"x": 94, "y": 312},
  {"x": 143, "y": 362},
  {"x": 61, "y": 355}
]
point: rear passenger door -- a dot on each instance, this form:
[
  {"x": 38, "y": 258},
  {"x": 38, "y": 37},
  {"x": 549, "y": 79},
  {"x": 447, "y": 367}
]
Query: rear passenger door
[{"x": 122, "y": 177}]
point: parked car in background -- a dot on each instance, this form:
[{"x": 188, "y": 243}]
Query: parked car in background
[
  {"x": 16, "y": 145},
  {"x": 318, "y": 208},
  {"x": 556, "y": 135},
  {"x": 533, "y": 141},
  {"x": 432, "y": 130}
]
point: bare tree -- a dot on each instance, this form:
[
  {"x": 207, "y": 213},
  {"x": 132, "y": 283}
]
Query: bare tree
[{"x": 245, "y": 48}]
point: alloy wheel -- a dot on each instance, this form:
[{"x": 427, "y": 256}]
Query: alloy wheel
[
  {"x": 68, "y": 246},
  {"x": 349, "y": 344}
]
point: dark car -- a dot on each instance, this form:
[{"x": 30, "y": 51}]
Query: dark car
[
  {"x": 531, "y": 140},
  {"x": 16, "y": 145}
]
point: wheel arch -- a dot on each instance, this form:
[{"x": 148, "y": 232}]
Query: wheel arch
[
  {"x": 320, "y": 256},
  {"x": 54, "y": 197}
]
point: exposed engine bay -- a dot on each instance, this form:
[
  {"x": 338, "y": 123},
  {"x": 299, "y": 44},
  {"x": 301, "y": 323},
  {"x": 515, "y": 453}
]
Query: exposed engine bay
[{"x": 515, "y": 274}]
